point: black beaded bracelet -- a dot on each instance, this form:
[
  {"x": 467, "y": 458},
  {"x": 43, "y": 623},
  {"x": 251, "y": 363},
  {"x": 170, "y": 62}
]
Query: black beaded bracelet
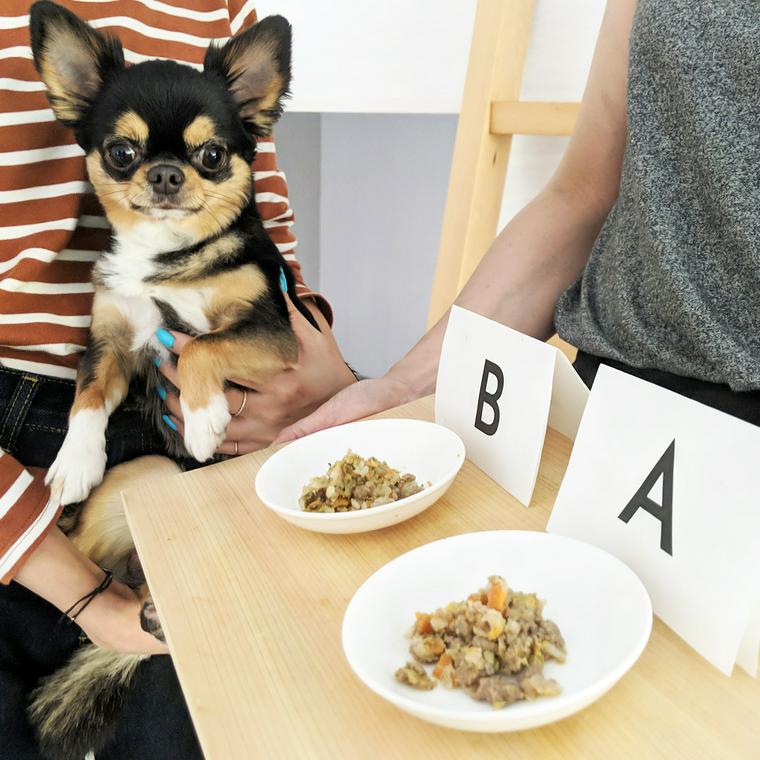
[{"x": 87, "y": 598}]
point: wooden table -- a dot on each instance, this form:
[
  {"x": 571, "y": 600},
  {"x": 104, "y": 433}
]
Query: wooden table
[{"x": 252, "y": 607}]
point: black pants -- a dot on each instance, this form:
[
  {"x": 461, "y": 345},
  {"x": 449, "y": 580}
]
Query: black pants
[
  {"x": 33, "y": 640},
  {"x": 744, "y": 405}
]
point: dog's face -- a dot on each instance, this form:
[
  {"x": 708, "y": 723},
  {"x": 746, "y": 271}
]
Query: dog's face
[{"x": 165, "y": 143}]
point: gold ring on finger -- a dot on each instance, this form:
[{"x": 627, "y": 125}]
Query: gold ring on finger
[{"x": 242, "y": 405}]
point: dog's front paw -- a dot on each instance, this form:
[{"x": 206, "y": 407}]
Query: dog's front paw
[
  {"x": 78, "y": 468},
  {"x": 205, "y": 427},
  {"x": 149, "y": 620}
]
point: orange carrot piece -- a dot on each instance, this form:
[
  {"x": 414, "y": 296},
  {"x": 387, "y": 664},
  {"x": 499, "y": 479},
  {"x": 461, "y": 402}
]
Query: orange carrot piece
[
  {"x": 423, "y": 623},
  {"x": 497, "y": 595},
  {"x": 443, "y": 662}
]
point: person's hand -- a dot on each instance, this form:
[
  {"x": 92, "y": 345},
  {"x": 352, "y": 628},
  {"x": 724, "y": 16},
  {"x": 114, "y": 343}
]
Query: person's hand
[
  {"x": 59, "y": 572},
  {"x": 352, "y": 403},
  {"x": 112, "y": 621},
  {"x": 291, "y": 395}
]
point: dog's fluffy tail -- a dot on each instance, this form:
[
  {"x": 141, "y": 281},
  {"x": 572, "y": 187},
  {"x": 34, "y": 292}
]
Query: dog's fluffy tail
[{"x": 75, "y": 709}]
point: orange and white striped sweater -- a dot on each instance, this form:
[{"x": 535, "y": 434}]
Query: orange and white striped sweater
[{"x": 52, "y": 227}]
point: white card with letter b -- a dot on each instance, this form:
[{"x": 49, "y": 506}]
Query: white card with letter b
[
  {"x": 498, "y": 389},
  {"x": 672, "y": 487}
]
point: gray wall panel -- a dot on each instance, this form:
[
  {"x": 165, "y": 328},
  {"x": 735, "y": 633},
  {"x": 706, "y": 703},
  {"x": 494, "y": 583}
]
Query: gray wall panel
[{"x": 383, "y": 189}]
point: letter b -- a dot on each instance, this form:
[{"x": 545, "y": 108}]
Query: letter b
[{"x": 490, "y": 399}]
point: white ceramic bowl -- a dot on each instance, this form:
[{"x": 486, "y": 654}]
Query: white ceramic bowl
[
  {"x": 600, "y": 606},
  {"x": 432, "y": 453}
]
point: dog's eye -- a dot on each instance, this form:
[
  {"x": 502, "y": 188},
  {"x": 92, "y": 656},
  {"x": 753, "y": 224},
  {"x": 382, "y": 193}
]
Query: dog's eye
[
  {"x": 212, "y": 156},
  {"x": 121, "y": 155}
]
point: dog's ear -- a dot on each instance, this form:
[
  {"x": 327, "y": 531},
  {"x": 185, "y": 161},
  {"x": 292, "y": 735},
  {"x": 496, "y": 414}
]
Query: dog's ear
[
  {"x": 72, "y": 59},
  {"x": 256, "y": 66}
]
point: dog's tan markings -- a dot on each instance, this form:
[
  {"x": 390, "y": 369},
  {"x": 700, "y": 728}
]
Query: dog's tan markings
[
  {"x": 103, "y": 377},
  {"x": 199, "y": 131},
  {"x": 215, "y": 205},
  {"x": 133, "y": 127},
  {"x": 69, "y": 68},
  {"x": 222, "y": 248},
  {"x": 102, "y": 532},
  {"x": 221, "y": 203},
  {"x": 193, "y": 187},
  {"x": 115, "y": 196},
  {"x": 257, "y": 83},
  {"x": 66, "y": 105},
  {"x": 194, "y": 270},
  {"x": 234, "y": 292},
  {"x": 206, "y": 361}
]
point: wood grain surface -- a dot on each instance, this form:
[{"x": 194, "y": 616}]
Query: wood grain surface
[{"x": 253, "y": 606}]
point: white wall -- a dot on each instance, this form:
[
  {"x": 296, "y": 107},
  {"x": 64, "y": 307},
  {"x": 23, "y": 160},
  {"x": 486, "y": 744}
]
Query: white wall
[
  {"x": 556, "y": 67},
  {"x": 395, "y": 56},
  {"x": 378, "y": 193}
]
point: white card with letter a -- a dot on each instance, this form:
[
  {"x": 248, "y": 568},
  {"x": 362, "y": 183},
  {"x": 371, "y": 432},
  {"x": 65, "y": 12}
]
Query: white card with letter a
[
  {"x": 498, "y": 389},
  {"x": 672, "y": 487}
]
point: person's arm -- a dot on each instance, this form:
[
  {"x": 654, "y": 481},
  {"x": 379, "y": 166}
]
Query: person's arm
[
  {"x": 539, "y": 253},
  {"x": 26, "y": 514},
  {"x": 34, "y": 553},
  {"x": 57, "y": 571}
]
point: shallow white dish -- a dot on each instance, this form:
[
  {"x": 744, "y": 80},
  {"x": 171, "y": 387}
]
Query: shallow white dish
[
  {"x": 432, "y": 453},
  {"x": 600, "y": 606}
]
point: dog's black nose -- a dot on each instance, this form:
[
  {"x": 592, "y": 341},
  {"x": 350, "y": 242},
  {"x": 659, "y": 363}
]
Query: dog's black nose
[{"x": 166, "y": 179}]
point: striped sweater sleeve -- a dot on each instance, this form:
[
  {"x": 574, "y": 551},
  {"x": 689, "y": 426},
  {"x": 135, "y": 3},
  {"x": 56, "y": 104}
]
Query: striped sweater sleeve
[
  {"x": 26, "y": 514},
  {"x": 271, "y": 192}
]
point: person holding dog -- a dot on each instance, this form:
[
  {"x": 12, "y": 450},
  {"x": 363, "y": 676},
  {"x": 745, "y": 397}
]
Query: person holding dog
[
  {"x": 51, "y": 232},
  {"x": 643, "y": 249}
]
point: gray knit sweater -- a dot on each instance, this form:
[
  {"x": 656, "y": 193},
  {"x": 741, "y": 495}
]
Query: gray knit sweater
[{"x": 673, "y": 280}]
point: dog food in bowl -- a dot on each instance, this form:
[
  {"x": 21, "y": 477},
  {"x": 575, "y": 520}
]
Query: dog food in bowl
[
  {"x": 354, "y": 483},
  {"x": 493, "y": 645}
]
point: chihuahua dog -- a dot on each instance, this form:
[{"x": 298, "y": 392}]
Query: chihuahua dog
[{"x": 169, "y": 150}]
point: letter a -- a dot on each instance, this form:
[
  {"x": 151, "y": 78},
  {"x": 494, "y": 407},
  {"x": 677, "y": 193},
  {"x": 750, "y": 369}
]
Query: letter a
[
  {"x": 663, "y": 512},
  {"x": 489, "y": 428}
]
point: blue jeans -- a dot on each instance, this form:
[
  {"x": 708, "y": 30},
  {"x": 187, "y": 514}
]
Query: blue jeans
[
  {"x": 33, "y": 640},
  {"x": 34, "y": 412}
]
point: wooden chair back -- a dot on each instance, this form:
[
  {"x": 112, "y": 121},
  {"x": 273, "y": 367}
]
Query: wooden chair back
[{"x": 492, "y": 113}]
